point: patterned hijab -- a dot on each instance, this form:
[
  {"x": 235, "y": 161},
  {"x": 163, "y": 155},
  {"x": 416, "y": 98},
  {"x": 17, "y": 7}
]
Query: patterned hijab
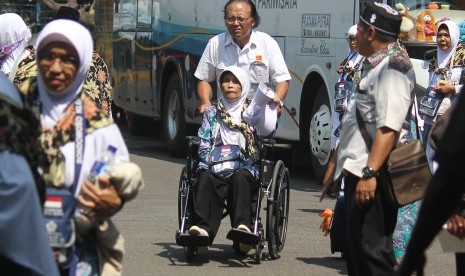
[
  {"x": 230, "y": 136},
  {"x": 454, "y": 32},
  {"x": 54, "y": 105},
  {"x": 14, "y": 36}
]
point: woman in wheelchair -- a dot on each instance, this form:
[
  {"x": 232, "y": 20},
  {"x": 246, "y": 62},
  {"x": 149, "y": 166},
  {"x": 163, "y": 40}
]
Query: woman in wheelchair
[{"x": 228, "y": 161}]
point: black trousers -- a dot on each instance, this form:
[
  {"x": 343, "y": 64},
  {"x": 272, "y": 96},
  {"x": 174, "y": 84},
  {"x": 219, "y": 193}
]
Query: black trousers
[
  {"x": 210, "y": 194},
  {"x": 369, "y": 233}
]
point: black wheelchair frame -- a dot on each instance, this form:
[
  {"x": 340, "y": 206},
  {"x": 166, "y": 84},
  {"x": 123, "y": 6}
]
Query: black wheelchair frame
[{"x": 274, "y": 186}]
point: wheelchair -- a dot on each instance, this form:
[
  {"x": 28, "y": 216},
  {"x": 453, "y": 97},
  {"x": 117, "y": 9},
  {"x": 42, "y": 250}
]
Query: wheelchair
[{"x": 273, "y": 186}]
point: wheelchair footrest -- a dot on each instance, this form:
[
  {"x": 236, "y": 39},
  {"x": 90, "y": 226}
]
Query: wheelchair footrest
[
  {"x": 243, "y": 237},
  {"x": 193, "y": 241}
]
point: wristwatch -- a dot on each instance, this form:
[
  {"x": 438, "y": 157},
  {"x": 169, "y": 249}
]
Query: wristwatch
[{"x": 368, "y": 172}]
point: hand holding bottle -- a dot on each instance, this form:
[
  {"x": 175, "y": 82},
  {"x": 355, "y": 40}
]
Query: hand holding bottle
[
  {"x": 100, "y": 170},
  {"x": 102, "y": 199}
]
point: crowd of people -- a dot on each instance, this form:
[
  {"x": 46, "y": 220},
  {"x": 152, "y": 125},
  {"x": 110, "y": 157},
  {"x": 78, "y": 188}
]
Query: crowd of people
[
  {"x": 379, "y": 113},
  {"x": 55, "y": 134},
  {"x": 56, "y": 126}
]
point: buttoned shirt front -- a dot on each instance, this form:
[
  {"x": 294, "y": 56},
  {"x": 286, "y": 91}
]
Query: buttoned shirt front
[
  {"x": 383, "y": 99},
  {"x": 261, "y": 57}
]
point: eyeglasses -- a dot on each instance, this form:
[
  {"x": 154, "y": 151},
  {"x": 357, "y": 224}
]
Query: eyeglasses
[
  {"x": 241, "y": 20},
  {"x": 48, "y": 59},
  {"x": 351, "y": 39}
]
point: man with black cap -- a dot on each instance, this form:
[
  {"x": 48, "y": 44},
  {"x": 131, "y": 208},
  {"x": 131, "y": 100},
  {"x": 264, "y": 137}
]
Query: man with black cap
[{"x": 371, "y": 128}]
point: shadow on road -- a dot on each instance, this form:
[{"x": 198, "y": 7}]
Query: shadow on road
[
  {"x": 223, "y": 254},
  {"x": 148, "y": 146},
  {"x": 336, "y": 263}
]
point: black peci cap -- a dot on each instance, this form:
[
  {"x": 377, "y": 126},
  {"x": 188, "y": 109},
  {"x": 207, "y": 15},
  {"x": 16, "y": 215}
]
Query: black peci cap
[
  {"x": 65, "y": 12},
  {"x": 382, "y": 17}
]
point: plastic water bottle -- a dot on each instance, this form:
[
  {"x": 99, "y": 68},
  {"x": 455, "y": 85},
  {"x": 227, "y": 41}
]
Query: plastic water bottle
[{"x": 100, "y": 166}]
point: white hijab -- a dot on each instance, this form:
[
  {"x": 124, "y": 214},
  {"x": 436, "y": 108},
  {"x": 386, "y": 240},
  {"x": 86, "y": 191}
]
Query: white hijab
[
  {"x": 234, "y": 108},
  {"x": 355, "y": 57},
  {"x": 13, "y": 32},
  {"x": 73, "y": 33},
  {"x": 454, "y": 32}
]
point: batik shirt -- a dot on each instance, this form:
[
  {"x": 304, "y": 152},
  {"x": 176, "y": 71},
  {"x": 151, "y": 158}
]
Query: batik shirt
[
  {"x": 210, "y": 123},
  {"x": 63, "y": 132},
  {"x": 97, "y": 85}
]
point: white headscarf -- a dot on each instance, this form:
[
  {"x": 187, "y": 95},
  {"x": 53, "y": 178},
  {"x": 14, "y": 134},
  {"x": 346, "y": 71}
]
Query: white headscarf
[
  {"x": 14, "y": 33},
  {"x": 234, "y": 108},
  {"x": 454, "y": 32},
  {"x": 73, "y": 33},
  {"x": 352, "y": 31}
]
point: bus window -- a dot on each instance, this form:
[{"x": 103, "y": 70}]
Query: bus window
[{"x": 144, "y": 18}]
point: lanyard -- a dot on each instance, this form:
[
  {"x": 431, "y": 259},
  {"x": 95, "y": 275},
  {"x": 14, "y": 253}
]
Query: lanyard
[
  {"x": 79, "y": 143},
  {"x": 451, "y": 64},
  {"x": 346, "y": 63}
]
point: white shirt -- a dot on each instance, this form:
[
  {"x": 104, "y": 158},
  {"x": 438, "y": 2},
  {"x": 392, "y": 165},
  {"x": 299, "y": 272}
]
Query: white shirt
[
  {"x": 383, "y": 99},
  {"x": 261, "y": 57}
]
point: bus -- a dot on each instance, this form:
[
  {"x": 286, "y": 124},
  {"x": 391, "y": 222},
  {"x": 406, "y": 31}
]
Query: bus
[{"x": 157, "y": 45}]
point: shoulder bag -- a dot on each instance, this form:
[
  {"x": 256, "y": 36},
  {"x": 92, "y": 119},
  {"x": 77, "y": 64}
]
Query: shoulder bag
[
  {"x": 343, "y": 89},
  {"x": 407, "y": 170},
  {"x": 225, "y": 159}
]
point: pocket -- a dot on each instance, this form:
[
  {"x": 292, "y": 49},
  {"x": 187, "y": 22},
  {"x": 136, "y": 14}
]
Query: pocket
[{"x": 259, "y": 72}]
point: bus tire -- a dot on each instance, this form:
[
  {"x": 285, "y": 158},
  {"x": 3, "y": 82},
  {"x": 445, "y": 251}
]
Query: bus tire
[
  {"x": 317, "y": 131},
  {"x": 137, "y": 125},
  {"x": 174, "y": 125}
]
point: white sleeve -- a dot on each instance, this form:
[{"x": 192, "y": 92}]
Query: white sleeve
[
  {"x": 278, "y": 67},
  {"x": 206, "y": 70}
]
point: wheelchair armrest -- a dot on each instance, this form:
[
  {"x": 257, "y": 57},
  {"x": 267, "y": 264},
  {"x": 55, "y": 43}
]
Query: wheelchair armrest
[
  {"x": 268, "y": 141},
  {"x": 193, "y": 139}
]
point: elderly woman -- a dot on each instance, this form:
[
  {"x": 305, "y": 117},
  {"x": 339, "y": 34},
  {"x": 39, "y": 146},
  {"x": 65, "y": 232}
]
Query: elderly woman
[
  {"x": 75, "y": 135},
  {"x": 228, "y": 155},
  {"x": 14, "y": 36},
  {"x": 445, "y": 75}
]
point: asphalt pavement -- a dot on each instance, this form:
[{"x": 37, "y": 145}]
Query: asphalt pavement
[{"x": 149, "y": 222}]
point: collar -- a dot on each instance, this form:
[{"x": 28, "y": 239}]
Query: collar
[
  {"x": 228, "y": 40},
  {"x": 377, "y": 57}
]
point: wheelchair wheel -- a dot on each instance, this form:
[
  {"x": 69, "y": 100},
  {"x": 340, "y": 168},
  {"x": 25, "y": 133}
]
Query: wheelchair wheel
[
  {"x": 277, "y": 210},
  {"x": 182, "y": 196},
  {"x": 189, "y": 251}
]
